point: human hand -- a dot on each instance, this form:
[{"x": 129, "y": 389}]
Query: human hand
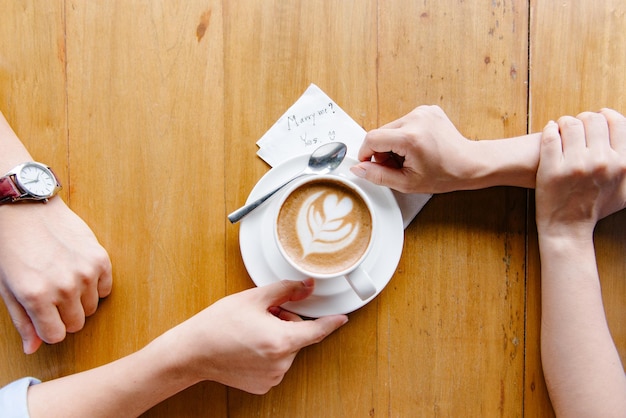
[
  {"x": 246, "y": 340},
  {"x": 581, "y": 176},
  {"x": 52, "y": 270},
  {"x": 420, "y": 152}
]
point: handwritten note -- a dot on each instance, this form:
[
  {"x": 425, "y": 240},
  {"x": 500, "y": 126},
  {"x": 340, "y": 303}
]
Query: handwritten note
[{"x": 315, "y": 119}]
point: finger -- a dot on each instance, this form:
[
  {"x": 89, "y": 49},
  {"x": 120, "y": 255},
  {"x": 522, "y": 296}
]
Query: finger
[
  {"x": 105, "y": 283},
  {"x": 283, "y": 314},
  {"x": 276, "y": 294},
  {"x": 22, "y": 322},
  {"x": 33, "y": 343},
  {"x": 389, "y": 159},
  {"x": 101, "y": 268},
  {"x": 306, "y": 333},
  {"x": 381, "y": 141},
  {"x": 72, "y": 314},
  {"x": 48, "y": 324},
  {"x": 382, "y": 175},
  {"x": 89, "y": 300},
  {"x": 572, "y": 134},
  {"x": 617, "y": 129},
  {"x": 381, "y": 158},
  {"x": 596, "y": 130},
  {"x": 551, "y": 147}
]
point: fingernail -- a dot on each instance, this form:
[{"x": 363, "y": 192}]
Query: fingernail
[{"x": 358, "y": 171}]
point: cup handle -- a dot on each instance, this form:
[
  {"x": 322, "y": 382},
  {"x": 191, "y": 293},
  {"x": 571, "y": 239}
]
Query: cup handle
[{"x": 361, "y": 283}]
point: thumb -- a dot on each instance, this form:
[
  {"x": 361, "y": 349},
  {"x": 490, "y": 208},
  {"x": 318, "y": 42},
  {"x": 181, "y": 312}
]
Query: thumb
[
  {"x": 312, "y": 332},
  {"x": 393, "y": 178},
  {"x": 304, "y": 333},
  {"x": 551, "y": 146},
  {"x": 30, "y": 340}
]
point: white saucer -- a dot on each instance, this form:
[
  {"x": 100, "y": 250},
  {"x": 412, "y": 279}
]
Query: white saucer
[{"x": 332, "y": 296}]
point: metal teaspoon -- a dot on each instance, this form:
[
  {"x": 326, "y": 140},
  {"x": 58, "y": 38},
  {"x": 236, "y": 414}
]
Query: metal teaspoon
[{"x": 323, "y": 160}]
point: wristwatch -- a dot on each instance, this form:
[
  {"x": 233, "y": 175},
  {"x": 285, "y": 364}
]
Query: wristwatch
[{"x": 28, "y": 181}]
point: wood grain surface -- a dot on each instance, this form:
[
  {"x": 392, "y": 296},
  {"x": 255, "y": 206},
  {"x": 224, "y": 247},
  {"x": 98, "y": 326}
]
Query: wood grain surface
[{"x": 149, "y": 112}]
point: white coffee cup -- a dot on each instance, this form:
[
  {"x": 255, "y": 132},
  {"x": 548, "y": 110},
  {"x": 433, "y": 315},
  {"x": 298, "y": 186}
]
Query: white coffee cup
[{"x": 324, "y": 227}]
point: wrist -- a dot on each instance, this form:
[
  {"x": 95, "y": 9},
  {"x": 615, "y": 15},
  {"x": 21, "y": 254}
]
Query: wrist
[
  {"x": 31, "y": 209},
  {"x": 28, "y": 181},
  {"x": 475, "y": 170},
  {"x": 178, "y": 366},
  {"x": 161, "y": 363},
  {"x": 575, "y": 233},
  {"x": 503, "y": 162},
  {"x": 562, "y": 242}
]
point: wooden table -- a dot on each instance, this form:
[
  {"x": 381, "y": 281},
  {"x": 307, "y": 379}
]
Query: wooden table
[{"x": 150, "y": 110}]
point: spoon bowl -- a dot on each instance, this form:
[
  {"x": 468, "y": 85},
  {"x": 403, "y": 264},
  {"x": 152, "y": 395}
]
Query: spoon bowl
[
  {"x": 323, "y": 160},
  {"x": 326, "y": 158}
]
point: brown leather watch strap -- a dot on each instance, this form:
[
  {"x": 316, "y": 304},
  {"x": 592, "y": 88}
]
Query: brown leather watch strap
[{"x": 8, "y": 190}]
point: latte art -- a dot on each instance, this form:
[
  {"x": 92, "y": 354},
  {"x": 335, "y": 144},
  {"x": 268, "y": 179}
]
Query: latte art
[
  {"x": 324, "y": 227},
  {"x": 323, "y": 223}
]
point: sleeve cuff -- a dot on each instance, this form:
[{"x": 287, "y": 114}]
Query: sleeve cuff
[{"x": 13, "y": 398}]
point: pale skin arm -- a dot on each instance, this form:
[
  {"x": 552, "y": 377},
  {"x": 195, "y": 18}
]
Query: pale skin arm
[
  {"x": 423, "y": 152},
  {"x": 52, "y": 268},
  {"x": 581, "y": 178},
  {"x": 244, "y": 340}
]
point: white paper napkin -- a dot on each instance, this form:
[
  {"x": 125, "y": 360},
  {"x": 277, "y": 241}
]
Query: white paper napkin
[{"x": 315, "y": 119}]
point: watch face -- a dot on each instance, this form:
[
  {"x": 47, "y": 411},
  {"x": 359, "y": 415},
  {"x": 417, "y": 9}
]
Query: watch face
[{"x": 37, "y": 180}]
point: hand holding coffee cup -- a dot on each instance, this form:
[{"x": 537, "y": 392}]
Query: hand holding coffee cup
[{"x": 324, "y": 228}]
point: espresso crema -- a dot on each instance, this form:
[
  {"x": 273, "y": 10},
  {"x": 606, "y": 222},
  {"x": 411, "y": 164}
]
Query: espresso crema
[{"x": 324, "y": 226}]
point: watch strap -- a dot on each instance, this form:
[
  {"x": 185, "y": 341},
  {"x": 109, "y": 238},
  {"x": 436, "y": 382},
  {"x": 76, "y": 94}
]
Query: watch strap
[{"x": 8, "y": 190}]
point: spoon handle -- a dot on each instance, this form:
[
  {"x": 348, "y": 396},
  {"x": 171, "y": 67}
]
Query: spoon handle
[{"x": 240, "y": 213}]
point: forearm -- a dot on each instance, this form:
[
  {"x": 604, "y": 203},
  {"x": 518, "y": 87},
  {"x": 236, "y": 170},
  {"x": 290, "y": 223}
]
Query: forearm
[
  {"x": 581, "y": 365},
  {"x": 124, "y": 388},
  {"x": 503, "y": 162}
]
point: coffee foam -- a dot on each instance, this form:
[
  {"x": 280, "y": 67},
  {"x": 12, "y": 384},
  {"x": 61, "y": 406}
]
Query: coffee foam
[{"x": 324, "y": 226}]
